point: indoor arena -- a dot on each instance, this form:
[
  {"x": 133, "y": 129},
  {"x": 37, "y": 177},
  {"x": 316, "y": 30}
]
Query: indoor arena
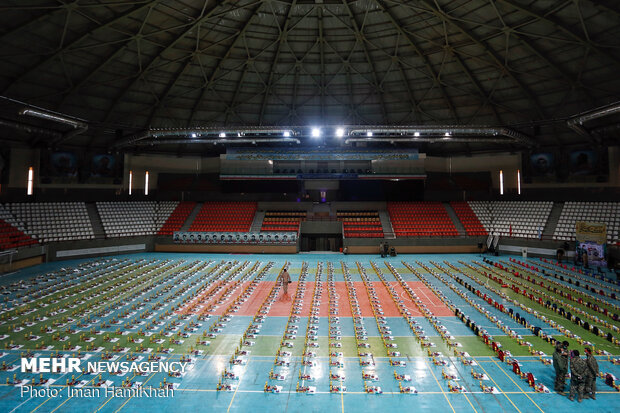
[{"x": 309, "y": 206}]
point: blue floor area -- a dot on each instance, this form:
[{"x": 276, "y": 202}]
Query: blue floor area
[{"x": 196, "y": 389}]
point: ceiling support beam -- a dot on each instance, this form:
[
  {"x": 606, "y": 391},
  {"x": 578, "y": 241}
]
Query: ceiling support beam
[
  {"x": 68, "y": 46},
  {"x": 204, "y": 15},
  {"x": 211, "y": 79},
  {"x": 360, "y": 39},
  {"x": 488, "y": 50},
  {"x": 282, "y": 39},
  {"x": 474, "y": 81},
  {"x": 322, "y": 60},
  {"x": 386, "y": 11},
  {"x": 557, "y": 23}
]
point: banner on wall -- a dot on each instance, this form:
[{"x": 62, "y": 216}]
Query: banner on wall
[
  {"x": 591, "y": 231},
  {"x": 542, "y": 164},
  {"x": 103, "y": 166},
  {"x": 591, "y": 253},
  {"x": 584, "y": 162},
  {"x": 63, "y": 164}
]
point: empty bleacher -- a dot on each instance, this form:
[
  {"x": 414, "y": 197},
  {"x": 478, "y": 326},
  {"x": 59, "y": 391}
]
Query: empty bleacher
[
  {"x": 224, "y": 216},
  {"x": 471, "y": 223},
  {"x": 128, "y": 219},
  {"x": 607, "y": 212},
  {"x": 177, "y": 218},
  {"x": 421, "y": 219},
  {"x": 12, "y": 232},
  {"x": 360, "y": 224},
  {"x": 521, "y": 219},
  {"x": 54, "y": 221},
  {"x": 282, "y": 221}
]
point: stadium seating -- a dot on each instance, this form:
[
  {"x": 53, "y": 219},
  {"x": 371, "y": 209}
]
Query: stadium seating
[
  {"x": 421, "y": 219},
  {"x": 287, "y": 221},
  {"x": 178, "y": 217},
  {"x": 607, "y": 212},
  {"x": 127, "y": 219},
  {"x": 54, "y": 221},
  {"x": 361, "y": 224},
  {"x": 521, "y": 219},
  {"x": 468, "y": 218},
  {"x": 225, "y": 216},
  {"x": 11, "y": 232}
]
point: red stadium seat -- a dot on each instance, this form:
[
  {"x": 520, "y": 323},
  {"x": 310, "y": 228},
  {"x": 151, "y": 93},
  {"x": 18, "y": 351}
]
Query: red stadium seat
[
  {"x": 224, "y": 217},
  {"x": 421, "y": 219}
]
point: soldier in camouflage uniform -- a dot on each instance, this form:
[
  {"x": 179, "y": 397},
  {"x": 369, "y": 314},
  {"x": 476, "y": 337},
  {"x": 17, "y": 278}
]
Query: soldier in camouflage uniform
[
  {"x": 592, "y": 372},
  {"x": 578, "y": 372},
  {"x": 560, "y": 364}
]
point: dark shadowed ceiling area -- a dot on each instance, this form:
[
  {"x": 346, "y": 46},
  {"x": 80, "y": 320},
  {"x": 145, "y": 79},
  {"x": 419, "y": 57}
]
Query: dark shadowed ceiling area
[{"x": 124, "y": 67}]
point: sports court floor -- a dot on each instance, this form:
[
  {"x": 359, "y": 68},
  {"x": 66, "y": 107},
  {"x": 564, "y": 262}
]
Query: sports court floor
[{"x": 333, "y": 330}]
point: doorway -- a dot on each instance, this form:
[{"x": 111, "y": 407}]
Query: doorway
[{"x": 321, "y": 243}]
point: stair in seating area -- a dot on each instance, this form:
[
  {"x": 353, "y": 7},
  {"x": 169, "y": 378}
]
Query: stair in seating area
[
  {"x": 552, "y": 221},
  {"x": 177, "y": 218},
  {"x": 468, "y": 218},
  {"x": 258, "y": 221},
  {"x": 95, "y": 220},
  {"x": 190, "y": 218},
  {"x": 455, "y": 219},
  {"x": 386, "y": 224}
]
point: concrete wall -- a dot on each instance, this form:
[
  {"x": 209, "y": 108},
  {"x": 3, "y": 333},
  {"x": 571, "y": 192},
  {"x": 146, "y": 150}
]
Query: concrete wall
[
  {"x": 228, "y": 249},
  {"x": 54, "y": 247},
  {"x": 22, "y": 158},
  {"x": 321, "y": 227},
  {"x": 510, "y": 163},
  {"x": 413, "y": 249},
  {"x": 155, "y": 164}
]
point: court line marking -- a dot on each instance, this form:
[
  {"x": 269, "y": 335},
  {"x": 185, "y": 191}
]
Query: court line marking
[
  {"x": 49, "y": 398},
  {"x": 69, "y": 397},
  {"x": 106, "y": 402},
  {"x": 238, "y": 385},
  {"x": 500, "y": 389},
  {"x": 519, "y": 387},
  {"x": 440, "y": 388},
  {"x": 127, "y": 401}
]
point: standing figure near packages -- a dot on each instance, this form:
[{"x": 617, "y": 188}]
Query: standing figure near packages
[
  {"x": 285, "y": 279},
  {"x": 578, "y": 371},
  {"x": 591, "y": 374},
  {"x": 560, "y": 364}
]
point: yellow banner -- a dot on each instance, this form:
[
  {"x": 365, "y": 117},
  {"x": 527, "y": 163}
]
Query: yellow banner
[{"x": 591, "y": 231}]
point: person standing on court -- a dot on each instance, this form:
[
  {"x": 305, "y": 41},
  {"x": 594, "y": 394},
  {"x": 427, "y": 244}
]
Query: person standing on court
[
  {"x": 591, "y": 374},
  {"x": 285, "y": 279},
  {"x": 578, "y": 371},
  {"x": 560, "y": 364}
]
